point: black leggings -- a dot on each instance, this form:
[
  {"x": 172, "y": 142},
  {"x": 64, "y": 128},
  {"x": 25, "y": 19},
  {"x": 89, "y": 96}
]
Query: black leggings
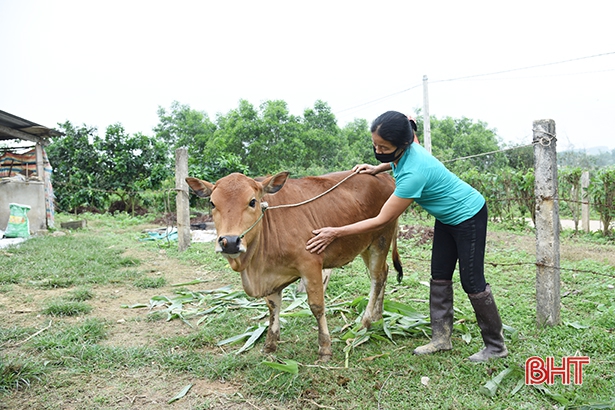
[{"x": 464, "y": 243}]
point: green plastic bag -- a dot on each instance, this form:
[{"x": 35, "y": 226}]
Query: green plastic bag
[{"x": 19, "y": 225}]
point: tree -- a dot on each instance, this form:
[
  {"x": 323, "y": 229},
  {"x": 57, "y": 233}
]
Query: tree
[
  {"x": 76, "y": 168},
  {"x": 236, "y": 131},
  {"x": 278, "y": 143},
  {"x": 569, "y": 187},
  {"x": 359, "y": 140},
  {"x": 130, "y": 164},
  {"x": 325, "y": 144},
  {"x": 269, "y": 139},
  {"x": 462, "y": 137},
  {"x": 602, "y": 191},
  {"x": 520, "y": 158},
  {"x": 575, "y": 158},
  {"x": 185, "y": 127}
]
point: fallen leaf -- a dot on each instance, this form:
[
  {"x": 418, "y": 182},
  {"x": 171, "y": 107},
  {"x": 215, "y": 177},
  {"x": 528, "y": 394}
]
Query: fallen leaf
[
  {"x": 181, "y": 394},
  {"x": 370, "y": 358}
]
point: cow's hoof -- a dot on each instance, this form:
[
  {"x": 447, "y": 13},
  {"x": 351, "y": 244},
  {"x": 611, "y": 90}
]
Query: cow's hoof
[
  {"x": 323, "y": 358},
  {"x": 366, "y": 323},
  {"x": 367, "y": 320},
  {"x": 270, "y": 348}
]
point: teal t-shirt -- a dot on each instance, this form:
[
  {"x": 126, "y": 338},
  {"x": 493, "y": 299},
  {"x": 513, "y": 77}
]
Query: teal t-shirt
[{"x": 420, "y": 176}]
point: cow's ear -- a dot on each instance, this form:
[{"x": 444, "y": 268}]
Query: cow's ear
[
  {"x": 273, "y": 184},
  {"x": 201, "y": 188}
]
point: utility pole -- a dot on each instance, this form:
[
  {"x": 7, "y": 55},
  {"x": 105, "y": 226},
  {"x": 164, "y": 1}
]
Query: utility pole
[{"x": 426, "y": 122}]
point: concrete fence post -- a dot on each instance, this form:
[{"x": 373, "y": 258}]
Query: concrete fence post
[
  {"x": 547, "y": 224},
  {"x": 182, "y": 199}
]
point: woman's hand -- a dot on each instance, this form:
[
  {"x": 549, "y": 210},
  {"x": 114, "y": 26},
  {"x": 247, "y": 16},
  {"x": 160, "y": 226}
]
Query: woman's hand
[
  {"x": 324, "y": 236},
  {"x": 371, "y": 169},
  {"x": 392, "y": 208},
  {"x": 365, "y": 169}
]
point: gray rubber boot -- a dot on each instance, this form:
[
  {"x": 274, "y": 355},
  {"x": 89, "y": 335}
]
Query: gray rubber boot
[
  {"x": 441, "y": 314},
  {"x": 490, "y": 326}
]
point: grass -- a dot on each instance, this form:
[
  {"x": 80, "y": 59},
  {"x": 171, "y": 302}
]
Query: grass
[
  {"x": 67, "y": 342},
  {"x": 150, "y": 283},
  {"x": 80, "y": 295},
  {"x": 67, "y": 308},
  {"x": 18, "y": 373}
]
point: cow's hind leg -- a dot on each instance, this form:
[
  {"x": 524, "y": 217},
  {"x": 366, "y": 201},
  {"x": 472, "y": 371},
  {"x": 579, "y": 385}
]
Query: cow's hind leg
[
  {"x": 375, "y": 260},
  {"x": 273, "y": 333}
]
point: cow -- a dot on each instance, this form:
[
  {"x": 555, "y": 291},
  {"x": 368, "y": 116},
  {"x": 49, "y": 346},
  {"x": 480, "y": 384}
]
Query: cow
[{"x": 263, "y": 229}]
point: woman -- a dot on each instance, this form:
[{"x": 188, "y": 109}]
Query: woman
[{"x": 459, "y": 235}]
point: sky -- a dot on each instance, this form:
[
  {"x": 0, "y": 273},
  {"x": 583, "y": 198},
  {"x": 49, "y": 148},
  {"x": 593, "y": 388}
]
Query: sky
[{"x": 505, "y": 64}]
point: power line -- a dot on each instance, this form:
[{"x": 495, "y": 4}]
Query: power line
[
  {"x": 487, "y": 153},
  {"x": 475, "y": 76},
  {"x": 545, "y": 75},
  {"x": 524, "y": 68},
  {"x": 379, "y": 99}
]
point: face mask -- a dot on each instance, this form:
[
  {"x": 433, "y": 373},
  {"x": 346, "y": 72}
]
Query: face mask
[{"x": 390, "y": 157}]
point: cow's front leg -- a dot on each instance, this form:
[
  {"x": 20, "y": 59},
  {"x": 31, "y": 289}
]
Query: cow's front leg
[
  {"x": 316, "y": 300},
  {"x": 273, "y": 333}
]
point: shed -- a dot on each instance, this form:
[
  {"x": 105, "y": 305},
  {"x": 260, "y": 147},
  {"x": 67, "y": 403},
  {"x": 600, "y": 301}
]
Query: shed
[{"x": 25, "y": 172}]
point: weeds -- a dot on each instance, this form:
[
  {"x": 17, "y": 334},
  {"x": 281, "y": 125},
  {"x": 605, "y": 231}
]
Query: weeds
[
  {"x": 67, "y": 336},
  {"x": 150, "y": 283},
  {"x": 16, "y": 374},
  {"x": 80, "y": 295},
  {"x": 67, "y": 308}
]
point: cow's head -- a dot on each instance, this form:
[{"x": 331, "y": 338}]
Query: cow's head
[{"x": 236, "y": 207}]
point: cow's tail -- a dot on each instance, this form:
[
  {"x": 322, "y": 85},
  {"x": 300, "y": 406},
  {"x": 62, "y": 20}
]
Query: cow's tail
[{"x": 397, "y": 260}]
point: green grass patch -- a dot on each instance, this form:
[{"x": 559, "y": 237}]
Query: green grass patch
[
  {"x": 19, "y": 373},
  {"x": 67, "y": 308},
  {"x": 66, "y": 335},
  {"x": 65, "y": 261},
  {"x": 79, "y": 295},
  {"x": 7, "y": 277},
  {"x": 13, "y": 334},
  {"x": 150, "y": 283}
]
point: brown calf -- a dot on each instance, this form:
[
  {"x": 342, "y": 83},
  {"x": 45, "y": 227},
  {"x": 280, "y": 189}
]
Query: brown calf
[{"x": 265, "y": 240}]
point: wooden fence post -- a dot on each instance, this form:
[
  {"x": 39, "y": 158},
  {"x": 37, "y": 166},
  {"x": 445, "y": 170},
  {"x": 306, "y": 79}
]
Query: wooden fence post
[
  {"x": 547, "y": 224},
  {"x": 182, "y": 200},
  {"x": 585, "y": 201}
]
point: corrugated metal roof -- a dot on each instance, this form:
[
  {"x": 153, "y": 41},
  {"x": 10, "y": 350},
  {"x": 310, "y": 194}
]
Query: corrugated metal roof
[{"x": 11, "y": 127}]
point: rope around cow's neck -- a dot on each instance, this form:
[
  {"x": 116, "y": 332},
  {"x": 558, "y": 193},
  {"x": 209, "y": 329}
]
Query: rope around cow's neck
[{"x": 265, "y": 206}]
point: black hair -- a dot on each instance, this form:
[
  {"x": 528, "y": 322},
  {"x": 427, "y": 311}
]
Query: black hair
[{"x": 394, "y": 127}]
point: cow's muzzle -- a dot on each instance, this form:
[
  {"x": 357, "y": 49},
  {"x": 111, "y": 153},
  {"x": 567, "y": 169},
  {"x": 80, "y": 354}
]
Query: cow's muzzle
[{"x": 230, "y": 245}]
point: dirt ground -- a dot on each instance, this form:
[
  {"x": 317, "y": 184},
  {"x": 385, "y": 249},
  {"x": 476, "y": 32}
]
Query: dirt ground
[
  {"x": 151, "y": 387},
  {"x": 143, "y": 388}
]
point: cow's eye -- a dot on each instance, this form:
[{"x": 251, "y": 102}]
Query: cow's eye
[
  {"x": 253, "y": 203},
  {"x": 212, "y": 204}
]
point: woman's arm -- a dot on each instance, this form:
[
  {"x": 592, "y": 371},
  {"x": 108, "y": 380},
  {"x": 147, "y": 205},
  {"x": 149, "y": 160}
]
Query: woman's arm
[{"x": 392, "y": 208}]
